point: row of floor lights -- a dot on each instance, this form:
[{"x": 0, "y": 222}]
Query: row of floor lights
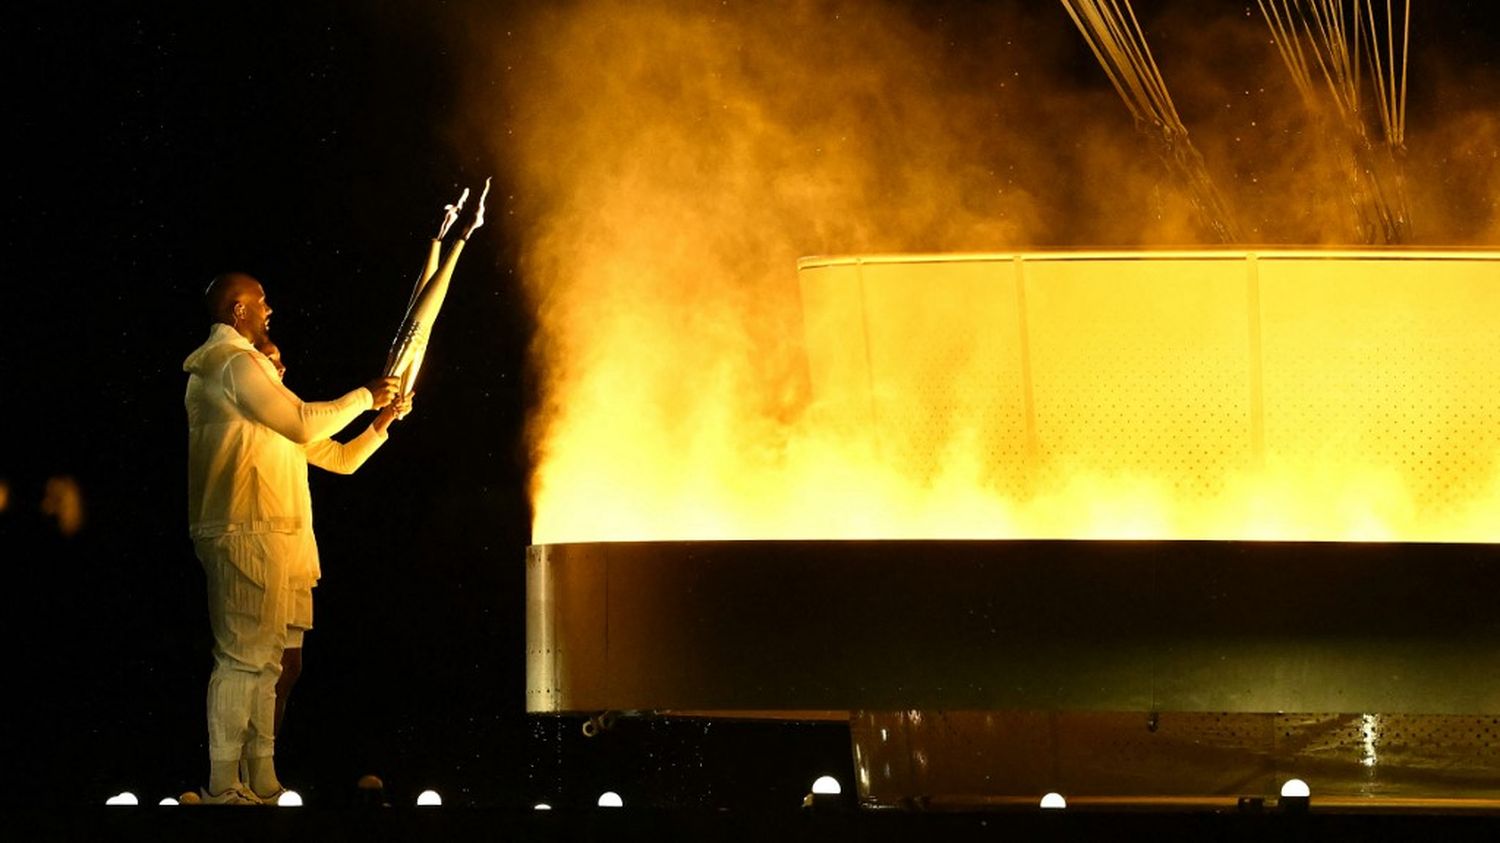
[
  {"x": 287, "y": 799},
  {"x": 1295, "y": 795},
  {"x": 292, "y": 799}
]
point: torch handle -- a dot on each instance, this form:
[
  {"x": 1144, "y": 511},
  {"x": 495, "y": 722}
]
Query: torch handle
[{"x": 411, "y": 340}]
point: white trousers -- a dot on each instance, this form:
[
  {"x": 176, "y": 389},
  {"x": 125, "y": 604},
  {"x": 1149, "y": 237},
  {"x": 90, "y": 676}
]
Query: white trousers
[{"x": 250, "y": 604}]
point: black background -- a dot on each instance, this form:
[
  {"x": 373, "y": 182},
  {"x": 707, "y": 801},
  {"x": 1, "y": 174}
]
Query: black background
[{"x": 154, "y": 146}]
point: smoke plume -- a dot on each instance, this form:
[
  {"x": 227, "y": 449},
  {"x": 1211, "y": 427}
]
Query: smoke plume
[{"x": 666, "y": 163}]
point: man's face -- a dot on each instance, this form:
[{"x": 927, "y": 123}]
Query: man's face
[{"x": 253, "y": 316}]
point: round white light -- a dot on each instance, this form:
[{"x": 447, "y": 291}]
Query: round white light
[
  {"x": 541, "y": 806},
  {"x": 1295, "y": 788},
  {"x": 610, "y": 799},
  {"x": 827, "y": 786},
  {"x": 289, "y": 799},
  {"x": 167, "y": 800},
  {"x": 1054, "y": 800},
  {"x": 429, "y": 797},
  {"x": 124, "y": 797}
]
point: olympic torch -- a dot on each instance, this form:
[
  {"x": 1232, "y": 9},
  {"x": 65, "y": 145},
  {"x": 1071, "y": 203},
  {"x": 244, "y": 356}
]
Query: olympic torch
[{"x": 410, "y": 345}]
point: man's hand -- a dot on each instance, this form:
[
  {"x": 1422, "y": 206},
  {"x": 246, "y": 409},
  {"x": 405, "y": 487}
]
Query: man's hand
[
  {"x": 393, "y": 411},
  {"x": 383, "y": 390}
]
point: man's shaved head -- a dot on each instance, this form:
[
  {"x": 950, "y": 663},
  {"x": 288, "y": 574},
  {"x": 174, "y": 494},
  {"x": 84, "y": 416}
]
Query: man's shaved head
[
  {"x": 239, "y": 301},
  {"x": 227, "y": 290}
]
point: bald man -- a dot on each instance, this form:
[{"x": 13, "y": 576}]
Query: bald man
[{"x": 250, "y": 519}]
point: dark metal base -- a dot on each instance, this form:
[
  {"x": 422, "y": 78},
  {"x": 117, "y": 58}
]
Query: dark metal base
[{"x": 1241, "y": 627}]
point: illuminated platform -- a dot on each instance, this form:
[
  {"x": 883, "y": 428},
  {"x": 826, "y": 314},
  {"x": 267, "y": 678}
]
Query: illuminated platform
[
  {"x": 1138, "y": 524},
  {"x": 985, "y": 673}
]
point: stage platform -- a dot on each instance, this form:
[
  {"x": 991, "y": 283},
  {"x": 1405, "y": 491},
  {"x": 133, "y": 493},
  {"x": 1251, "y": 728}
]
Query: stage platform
[{"x": 229, "y": 824}]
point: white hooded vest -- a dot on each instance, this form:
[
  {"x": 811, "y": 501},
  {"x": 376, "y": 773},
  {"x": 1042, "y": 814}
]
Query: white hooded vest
[{"x": 247, "y": 466}]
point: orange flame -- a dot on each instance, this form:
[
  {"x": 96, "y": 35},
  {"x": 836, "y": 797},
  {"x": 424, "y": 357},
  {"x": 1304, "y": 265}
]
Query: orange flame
[
  {"x": 667, "y": 164},
  {"x": 1289, "y": 396}
]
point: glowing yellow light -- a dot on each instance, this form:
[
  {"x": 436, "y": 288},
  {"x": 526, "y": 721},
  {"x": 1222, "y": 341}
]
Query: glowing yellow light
[
  {"x": 1314, "y": 396},
  {"x": 1369, "y": 729},
  {"x": 658, "y": 214},
  {"x": 63, "y": 500},
  {"x": 610, "y": 799},
  {"x": 827, "y": 785}
]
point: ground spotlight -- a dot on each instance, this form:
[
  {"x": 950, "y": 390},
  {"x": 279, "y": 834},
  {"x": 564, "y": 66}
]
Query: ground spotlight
[
  {"x": 826, "y": 791},
  {"x": 289, "y": 799},
  {"x": 369, "y": 792},
  {"x": 1296, "y": 787},
  {"x": 429, "y": 797},
  {"x": 1295, "y": 795},
  {"x": 610, "y": 799},
  {"x": 541, "y": 806},
  {"x": 168, "y": 800},
  {"x": 1054, "y": 801},
  {"x": 124, "y": 797}
]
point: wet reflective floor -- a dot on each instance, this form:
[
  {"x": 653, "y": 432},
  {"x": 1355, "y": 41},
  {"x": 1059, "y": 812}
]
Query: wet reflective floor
[{"x": 974, "y": 758}]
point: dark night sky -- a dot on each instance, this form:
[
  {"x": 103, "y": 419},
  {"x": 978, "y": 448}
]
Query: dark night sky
[
  {"x": 311, "y": 144},
  {"x": 151, "y": 146}
]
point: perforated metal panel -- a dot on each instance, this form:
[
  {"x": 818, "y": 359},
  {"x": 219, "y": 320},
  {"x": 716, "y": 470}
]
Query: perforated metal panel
[
  {"x": 960, "y": 319},
  {"x": 1369, "y": 381},
  {"x": 1392, "y": 365},
  {"x": 1141, "y": 368}
]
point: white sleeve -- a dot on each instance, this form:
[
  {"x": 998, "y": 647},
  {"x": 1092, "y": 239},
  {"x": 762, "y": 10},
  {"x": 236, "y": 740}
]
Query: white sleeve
[
  {"x": 256, "y": 390},
  {"x": 345, "y": 457}
]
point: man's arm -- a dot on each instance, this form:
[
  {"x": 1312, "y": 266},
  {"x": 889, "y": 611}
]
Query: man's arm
[
  {"x": 345, "y": 457},
  {"x": 262, "y": 397}
]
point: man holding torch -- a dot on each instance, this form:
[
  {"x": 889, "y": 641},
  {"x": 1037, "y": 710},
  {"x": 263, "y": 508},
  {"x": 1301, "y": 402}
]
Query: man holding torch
[
  {"x": 250, "y": 520},
  {"x": 250, "y": 440}
]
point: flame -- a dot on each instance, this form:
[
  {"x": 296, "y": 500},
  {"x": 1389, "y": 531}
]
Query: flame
[
  {"x": 666, "y": 164},
  {"x": 1158, "y": 396}
]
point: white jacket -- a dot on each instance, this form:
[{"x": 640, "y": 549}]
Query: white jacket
[{"x": 247, "y": 464}]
